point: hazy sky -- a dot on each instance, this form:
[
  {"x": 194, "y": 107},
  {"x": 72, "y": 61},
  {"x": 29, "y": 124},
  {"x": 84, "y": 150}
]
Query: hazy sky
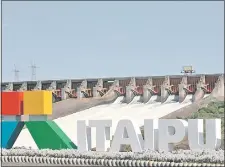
[{"x": 103, "y": 39}]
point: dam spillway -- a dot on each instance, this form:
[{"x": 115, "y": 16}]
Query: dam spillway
[
  {"x": 162, "y": 86},
  {"x": 126, "y": 99},
  {"x": 115, "y": 111}
]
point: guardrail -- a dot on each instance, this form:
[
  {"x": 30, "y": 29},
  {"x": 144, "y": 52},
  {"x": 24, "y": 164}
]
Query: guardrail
[
  {"x": 101, "y": 162},
  {"x": 179, "y": 158}
]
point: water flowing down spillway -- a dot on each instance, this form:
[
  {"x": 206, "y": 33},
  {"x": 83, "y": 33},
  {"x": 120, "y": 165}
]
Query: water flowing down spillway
[{"x": 115, "y": 111}]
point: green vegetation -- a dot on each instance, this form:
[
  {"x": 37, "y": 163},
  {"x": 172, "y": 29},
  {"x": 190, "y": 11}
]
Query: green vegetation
[{"x": 211, "y": 111}]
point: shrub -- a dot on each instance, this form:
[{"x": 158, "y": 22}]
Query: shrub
[{"x": 211, "y": 111}]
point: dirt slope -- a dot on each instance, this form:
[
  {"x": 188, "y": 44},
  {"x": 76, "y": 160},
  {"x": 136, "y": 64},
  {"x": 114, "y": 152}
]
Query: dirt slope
[{"x": 70, "y": 106}]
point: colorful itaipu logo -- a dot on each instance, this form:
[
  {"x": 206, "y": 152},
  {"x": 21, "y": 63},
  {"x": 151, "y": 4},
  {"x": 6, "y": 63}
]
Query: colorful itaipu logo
[{"x": 46, "y": 133}]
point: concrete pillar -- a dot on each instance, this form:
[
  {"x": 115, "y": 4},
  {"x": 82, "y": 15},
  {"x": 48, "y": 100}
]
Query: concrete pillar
[
  {"x": 148, "y": 89},
  {"x": 38, "y": 86},
  {"x": 95, "y": 92},
  {"x": 23, "y": 87},
  {"x": 183, "y": 89},
  {"x": 9, "y": 87},
  {"x": 200, "y": 92},
  {"x": 68, "y": 84},
  {"x": 116, "y": 83},
  {"x": 79, "y": 93},
  {"x": 146, "y": 94},
  {"x": 64, "y": 94},
  {"x": 129, "y": 93},
  {"x": 81, "y": 88},
  {"x": 113, "y": 88},
  {"x": 98, "y": 87},
  {"x": 218, "y": 90},
  {"x": 164, "y": 89},
  {"x": 66, "y": 90},
  {"x": 52, "y": 86},
  {"x": 100, "y": 83}
]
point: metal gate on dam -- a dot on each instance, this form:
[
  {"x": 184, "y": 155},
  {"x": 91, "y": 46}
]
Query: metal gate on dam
[{"x": 146, "y": 87}]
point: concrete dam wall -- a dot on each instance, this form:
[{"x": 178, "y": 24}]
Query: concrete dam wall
[
  {"x": 162, "y": 86},
  {"x": 78, "y": 95},
  {"x": 132, "y": 103}
]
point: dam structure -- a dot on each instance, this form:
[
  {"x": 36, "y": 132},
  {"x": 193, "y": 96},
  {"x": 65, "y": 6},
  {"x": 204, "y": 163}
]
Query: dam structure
[{"x": 134, "y": 98}]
